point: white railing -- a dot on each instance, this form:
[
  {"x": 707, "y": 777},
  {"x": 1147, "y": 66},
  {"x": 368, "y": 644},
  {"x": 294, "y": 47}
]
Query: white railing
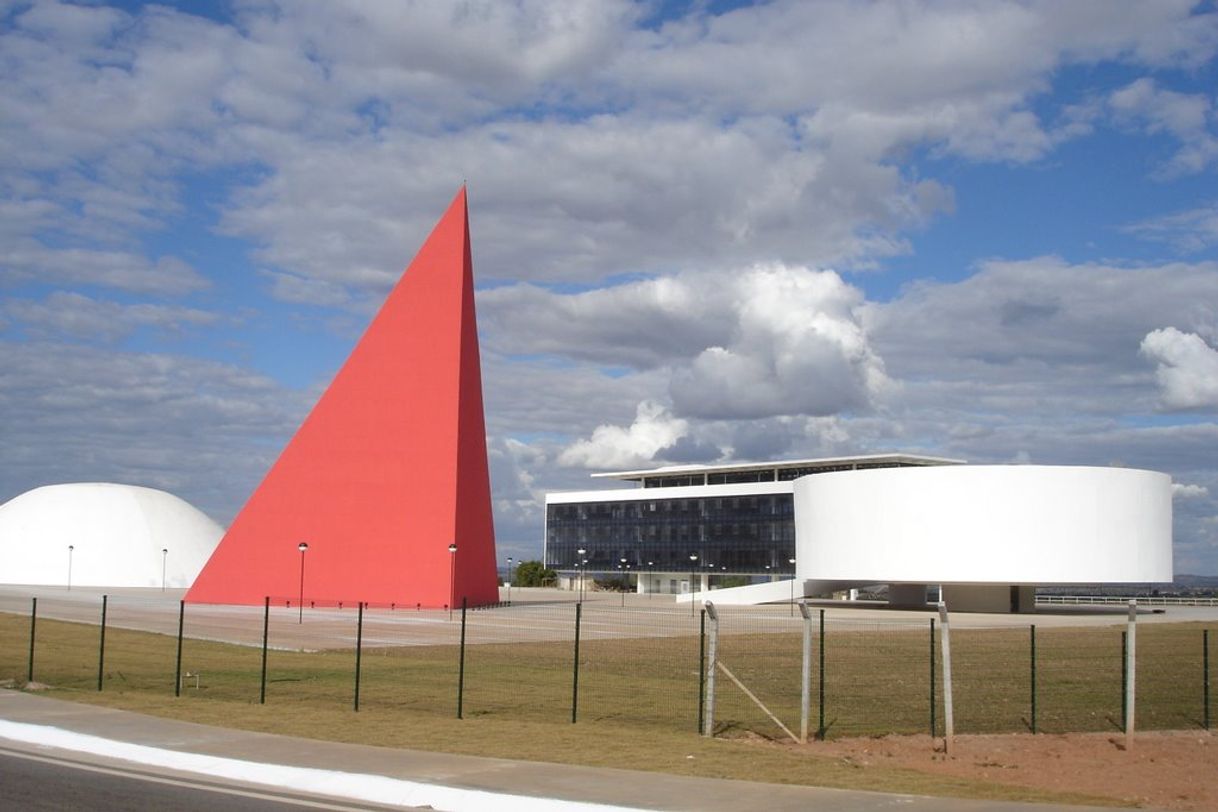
[{"x": 1117, "y": 600}]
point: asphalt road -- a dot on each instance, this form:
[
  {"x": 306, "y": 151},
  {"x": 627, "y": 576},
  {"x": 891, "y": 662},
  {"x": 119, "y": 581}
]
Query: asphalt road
[{"x": 37, "y": 782}]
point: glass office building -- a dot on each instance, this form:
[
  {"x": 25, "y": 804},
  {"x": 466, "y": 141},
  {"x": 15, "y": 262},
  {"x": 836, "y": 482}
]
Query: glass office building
[
  {"x": 749, "y": 534},
  {"x": 732, "y": 519}
]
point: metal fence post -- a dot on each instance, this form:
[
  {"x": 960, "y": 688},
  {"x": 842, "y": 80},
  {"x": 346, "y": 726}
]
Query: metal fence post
[
  {"x": 1124, "y": 675},
  {"x": 1131, "y": 661},
  {"x": 1033, "y": 676},
  {"x": 266, "y": 628},
  {"x": 177, "y": 675},
  {"x": 949, "y": 727},
  {"x": 461, "y": 667},
  {"x": 359, "y": 647},
  {"x": 820, "y": 725},
  {"x": 1205, "y": 677},
  {"x": 701, "y": 668},
  {"x": 101, "y": 646},
  {"x": 579, "y": 608},
  {"x": 708, "y": 723},
  {"x": 932, "y": 678},
  {"x": 805, "y": 676},
  {"x": 33, "y": 622}
]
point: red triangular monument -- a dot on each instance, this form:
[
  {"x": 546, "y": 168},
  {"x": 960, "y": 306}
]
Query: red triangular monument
[{"x": 388, "y": 470}]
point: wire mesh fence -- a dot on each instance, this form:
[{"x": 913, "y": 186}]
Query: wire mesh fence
[
  {"x": 991, "y": 671},
  {"x": 894, "y": 695},
  {"x": 643, "y": 665},
  {"x": 1079, "y": 680},
  {"x": 1172, "y": 685}
]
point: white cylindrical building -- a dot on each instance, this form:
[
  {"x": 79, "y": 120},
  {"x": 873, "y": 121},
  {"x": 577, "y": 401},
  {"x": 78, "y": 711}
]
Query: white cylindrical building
[{"x": 985, "y": 525}]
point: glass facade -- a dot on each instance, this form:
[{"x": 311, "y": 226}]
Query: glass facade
[{"x": 730, "y": 534}]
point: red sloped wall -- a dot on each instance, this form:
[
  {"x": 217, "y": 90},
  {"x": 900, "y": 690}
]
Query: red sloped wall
[{"x": 388, "y": 469}]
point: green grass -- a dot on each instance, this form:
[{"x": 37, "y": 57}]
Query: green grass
[{"x": 517, "y": 700}]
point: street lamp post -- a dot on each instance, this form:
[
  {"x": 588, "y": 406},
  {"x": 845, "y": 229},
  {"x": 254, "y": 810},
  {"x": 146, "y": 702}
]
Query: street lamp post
[
  {"x": 583, "y": 569},
  {"x": 693, "y": 563},
  {"x": 791, "y": 561},
  {"x": 302, "y": 546},
  {"x": 651, "y": 574},
  {"x": 71, "y": 547},
  {"x": 509, "y": 579},
  {"x": 164, "y": 557},
  {"x": 452, "y": 578},
  {"x": 625, "y": 580}
]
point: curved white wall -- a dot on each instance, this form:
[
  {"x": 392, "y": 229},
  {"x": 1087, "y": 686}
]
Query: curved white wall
[
  {"x": 1007, "y": 524},
  {"x": 117, "y": 531}
]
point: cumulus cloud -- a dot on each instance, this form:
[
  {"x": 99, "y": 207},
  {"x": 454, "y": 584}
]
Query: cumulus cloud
[
  {"x": 1187, "y": 368},
  {"x": 1038, "y": 336},
  {"x": 757, "y": 342},
  {"x": 797, "y": 347},
  {"x": 653, "y": 430},
  {"x": 1189, "y": 118},
  {"x": 704, "y": 141},
  {"x": 1180, "y": 490}
]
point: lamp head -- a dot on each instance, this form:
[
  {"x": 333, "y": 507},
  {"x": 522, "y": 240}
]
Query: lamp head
[
  {"x": 302, "y": 546},
  {"x": 452, "y": 548}
]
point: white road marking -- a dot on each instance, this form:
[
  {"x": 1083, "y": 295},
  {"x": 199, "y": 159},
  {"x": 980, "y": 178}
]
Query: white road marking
[{"x": 378, "y": 789}]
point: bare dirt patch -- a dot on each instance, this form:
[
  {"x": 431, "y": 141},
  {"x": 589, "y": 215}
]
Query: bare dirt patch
[{"x": 1166, "y": 770}]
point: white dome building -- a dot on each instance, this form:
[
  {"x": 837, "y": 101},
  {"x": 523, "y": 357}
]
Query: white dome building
[{"x": 103, "y": 535}]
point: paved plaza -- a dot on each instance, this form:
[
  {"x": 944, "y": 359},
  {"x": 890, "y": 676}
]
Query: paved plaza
[{"x": 534, "y": 615}]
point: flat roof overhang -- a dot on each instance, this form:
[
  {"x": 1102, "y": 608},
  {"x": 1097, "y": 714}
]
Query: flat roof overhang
[{"x": 819, "y": 462}]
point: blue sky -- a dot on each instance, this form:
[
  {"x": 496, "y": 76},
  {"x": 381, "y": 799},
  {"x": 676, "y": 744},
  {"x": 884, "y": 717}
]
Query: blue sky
[{"x": 702, "y": 231}]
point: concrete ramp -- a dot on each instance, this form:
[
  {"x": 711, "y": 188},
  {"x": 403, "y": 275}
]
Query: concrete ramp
[{"x": 769, "y": 592}]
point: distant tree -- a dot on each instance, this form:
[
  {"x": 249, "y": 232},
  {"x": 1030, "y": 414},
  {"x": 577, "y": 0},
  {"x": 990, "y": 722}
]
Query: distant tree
[{"x": 534, "y": 573}]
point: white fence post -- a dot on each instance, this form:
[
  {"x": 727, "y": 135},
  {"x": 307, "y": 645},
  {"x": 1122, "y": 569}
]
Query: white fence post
[
  {"x": 945, "y": 637},
  {"x": 805, "y": 683},
  {"x": 708, "y": 721}
]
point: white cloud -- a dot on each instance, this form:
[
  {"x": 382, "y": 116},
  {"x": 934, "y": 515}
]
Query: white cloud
[
  {"x": 74, "y": 413},
  {"x": 592, "y": 145},
  {"x": 1039, "y": 336},
  {"x": 1189, "y": 118},
  {"x": 796, "y": 347},
  {"x": 653, "y": 430},
  {"x": 1187, "y": 368},
  {"x": 122, "y": 270},
  {"x": 72, "y": 314},
  {"x": 756, "y": 342},
  {"x": 1180, "y": 490},
  {"x": 1187, "y": 231}
]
